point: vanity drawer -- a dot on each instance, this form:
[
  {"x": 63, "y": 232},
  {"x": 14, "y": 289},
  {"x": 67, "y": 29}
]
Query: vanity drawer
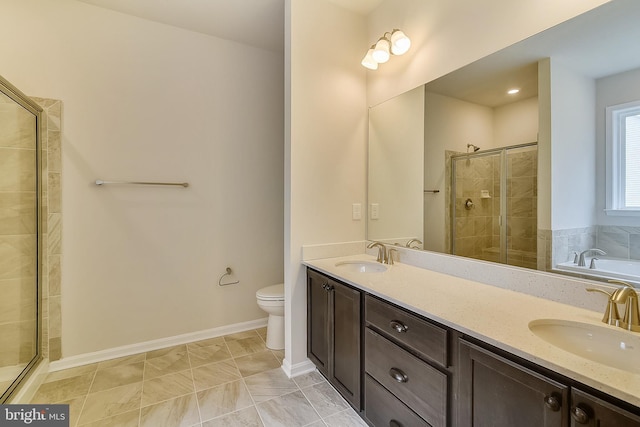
[
  {"x": 383, "y": 409},
  {"x": 419, "y": 385},
  {"x": 417, "y": 334}
]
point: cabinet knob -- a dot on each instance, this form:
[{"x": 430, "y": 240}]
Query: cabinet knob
[
  {"x": 398, "y": 375},
  {"x": 394, "y": 423},
  {"x": 330, "y": 287},
  {"x": 580, "y": 414},
  {"x": 552, "y": 402},
  {"x": 399, "y": 326}
]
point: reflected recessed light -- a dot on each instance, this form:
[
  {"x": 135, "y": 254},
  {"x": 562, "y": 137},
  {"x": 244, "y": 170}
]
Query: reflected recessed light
[{"x": 513, "y": 91}]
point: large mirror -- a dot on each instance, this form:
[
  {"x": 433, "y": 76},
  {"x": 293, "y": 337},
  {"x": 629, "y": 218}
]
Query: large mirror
[{"x": 460, "y": 166}]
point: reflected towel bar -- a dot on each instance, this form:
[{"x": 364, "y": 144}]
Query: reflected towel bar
[
  {"x": 179, "y": 184},
  {"x": 432, "y": 191}
]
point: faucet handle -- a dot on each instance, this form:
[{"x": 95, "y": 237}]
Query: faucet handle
[
  {"x": 628, "y": 295},
  {"x": 611, "y": 315},
  {"x": 390, "y": 255}
]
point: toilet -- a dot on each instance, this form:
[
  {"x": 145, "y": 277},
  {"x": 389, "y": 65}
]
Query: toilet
[{"x": 271, "y": 300}]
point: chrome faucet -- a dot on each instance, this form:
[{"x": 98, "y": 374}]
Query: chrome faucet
[
  {"x": 382, "y": 251},
  {"x": 408, "y": 244},
  {"x": 581, "y": 262}
]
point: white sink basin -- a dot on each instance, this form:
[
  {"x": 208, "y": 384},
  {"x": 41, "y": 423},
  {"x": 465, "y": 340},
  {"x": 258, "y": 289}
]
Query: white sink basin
[
  {"x": 618, "y": 349},
  {"x": 362, "y": 266}
]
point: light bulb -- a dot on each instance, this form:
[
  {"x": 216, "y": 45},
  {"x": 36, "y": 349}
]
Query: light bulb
[
  {"x": 381, "y": 52},
  {"x": 368, "y": 61},
  {"x": 400, "y": 43}
]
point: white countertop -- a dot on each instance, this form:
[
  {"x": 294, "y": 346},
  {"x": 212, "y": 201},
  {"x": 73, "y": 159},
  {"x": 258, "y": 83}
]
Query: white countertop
[{"x": 497, "y": 316}]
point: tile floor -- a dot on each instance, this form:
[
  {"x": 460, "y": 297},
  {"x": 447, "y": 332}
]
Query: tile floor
[{"x": 227, "y": 381}]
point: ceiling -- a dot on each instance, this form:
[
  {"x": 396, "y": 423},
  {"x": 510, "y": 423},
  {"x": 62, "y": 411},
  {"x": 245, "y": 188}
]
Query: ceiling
[
  {"x": 598, "y": 43},
  {"x": 258, "y": 23}
]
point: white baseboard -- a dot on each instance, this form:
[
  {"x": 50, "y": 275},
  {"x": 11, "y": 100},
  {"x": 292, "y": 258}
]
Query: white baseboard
[
  {"x": 128, "y": 350},
  {"x": 297, "y": 369},
  {"x": 30, "y": 385}
]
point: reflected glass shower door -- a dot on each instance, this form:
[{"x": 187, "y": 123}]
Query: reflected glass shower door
[
  {"x": 494, "y": 205},
  {"x": 18, "y": 238},
  {"x": 476, "y": 190}
]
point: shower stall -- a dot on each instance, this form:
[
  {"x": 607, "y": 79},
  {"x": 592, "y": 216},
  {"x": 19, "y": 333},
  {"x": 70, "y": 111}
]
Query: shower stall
[
  {"x": 19, "y": 237},
  {"x": 493, "y": 213}
]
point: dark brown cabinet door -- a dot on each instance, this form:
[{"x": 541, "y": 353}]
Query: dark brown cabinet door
[
  {"x": 496, "y": 392},
  {"x": 346, "y": 374},
  {"x": 334, "y": 324},
  {"x": 318, "y": 321},
  {"x": 589, "y": 411}
]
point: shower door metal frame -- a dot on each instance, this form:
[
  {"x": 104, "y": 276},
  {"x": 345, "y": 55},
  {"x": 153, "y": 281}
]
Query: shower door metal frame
[
  {"x": 503, "y": 190},
  {"x": 28, "y": 104}
]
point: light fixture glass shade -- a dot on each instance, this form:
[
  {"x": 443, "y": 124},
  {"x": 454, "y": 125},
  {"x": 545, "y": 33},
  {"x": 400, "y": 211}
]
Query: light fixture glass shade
[
  {"x": 368, "y": 61},
  {"x": 400, "y": 43},
  {"x": 381, "y": 51}
]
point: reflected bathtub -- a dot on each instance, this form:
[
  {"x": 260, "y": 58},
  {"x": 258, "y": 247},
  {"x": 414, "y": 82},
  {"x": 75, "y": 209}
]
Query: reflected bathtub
[{"x": 627, "y": 270}]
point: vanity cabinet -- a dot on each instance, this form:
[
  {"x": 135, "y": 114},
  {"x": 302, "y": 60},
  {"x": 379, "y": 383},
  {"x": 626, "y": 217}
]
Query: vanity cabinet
[
  {"x": 497, "y": 392},
  {"x": 399, "y": 369},
  {"x": 406, "y": 377},
  {"x": 334, "y": 328},
  {"x": 590, "y": 411}
]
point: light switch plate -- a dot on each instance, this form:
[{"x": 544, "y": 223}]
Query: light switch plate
[
  {"x": 356, "y": 211},
  {"x": 375, "y": 210}
]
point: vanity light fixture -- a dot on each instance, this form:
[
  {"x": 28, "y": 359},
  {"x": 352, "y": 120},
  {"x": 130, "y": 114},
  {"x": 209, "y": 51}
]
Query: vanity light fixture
[
  {"x": 368, "y": 61},
  {"x": 513, "y": 91},
  {"x": 396, "y": 44}
]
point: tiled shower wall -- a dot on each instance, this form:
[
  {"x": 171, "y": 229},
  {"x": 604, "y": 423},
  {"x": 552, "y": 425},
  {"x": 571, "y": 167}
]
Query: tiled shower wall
[
  {"x": 51, "y": 221},
  {"x": 522, "y": 208}
]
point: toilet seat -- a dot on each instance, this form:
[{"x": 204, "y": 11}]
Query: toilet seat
[{"x": 271, "y": 293}]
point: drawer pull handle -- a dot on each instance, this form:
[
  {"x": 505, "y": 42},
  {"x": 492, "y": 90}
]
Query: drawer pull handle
[
  {"x": 399, "y": 326},
  {"x": 580, "y": 414},
  {"x": 398, "y": 375},
  {"x": 552, "y": 403},
  {"x": 394, "y": 423}
]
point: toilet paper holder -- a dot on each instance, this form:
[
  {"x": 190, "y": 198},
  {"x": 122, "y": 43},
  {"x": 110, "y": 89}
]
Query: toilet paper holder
[{"x": 228, "y": 272}]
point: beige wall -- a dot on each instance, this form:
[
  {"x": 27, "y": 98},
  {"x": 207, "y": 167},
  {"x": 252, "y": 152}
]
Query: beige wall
[
  {"x": 324, "y": 88},
  {"x": 326, "y": 121},
  {"x": 395, "y": 168},
  {"x": 147, "y": 101}
]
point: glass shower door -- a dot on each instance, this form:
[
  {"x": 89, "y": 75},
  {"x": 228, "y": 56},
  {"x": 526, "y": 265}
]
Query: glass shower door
[
  {"x": 494, "y": 205},
  {"x": 18, "y": 238},
  {"x": 476, "y": 191}
]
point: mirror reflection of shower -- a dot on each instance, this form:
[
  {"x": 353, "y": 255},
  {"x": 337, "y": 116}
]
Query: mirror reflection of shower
[
  {"x": 493, "y": 200},
  {"x": 475, "y": 148}
]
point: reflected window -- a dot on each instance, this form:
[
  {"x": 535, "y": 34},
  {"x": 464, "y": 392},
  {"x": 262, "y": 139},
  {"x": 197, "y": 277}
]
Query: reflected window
[{"x": 623, "y": 160}]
